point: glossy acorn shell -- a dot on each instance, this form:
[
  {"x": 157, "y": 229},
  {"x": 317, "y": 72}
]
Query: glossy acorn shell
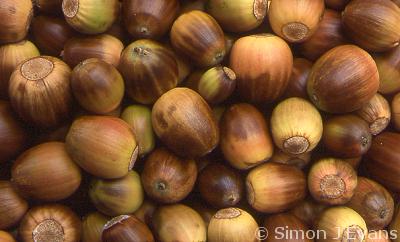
[
  {"x": 328, "y": 35},
  {"x": 17, "y": 17},
  {"x": 382, "y": 160},
  {"x": 388, "y": 64},
  {"x": 178, "y": 222},
  {"x": 51, "y": 7},
  {"x": 10, "y": 56},
  {"x": 343, "y": 80},
  {"x": 372, "y": 24},
  {"x": 6, "y": 237},
  {"x": 146, "y": 211},
  {"x": 52, "y": 222},
  {"x": 46, "y": 172},
  {"x": 273, "y": 187},
  {"x": 336, "y": 4},
  {"x": 168, "y": 178},
  {"x": 234, "y": 225},
  {"x": 396, "y": 111},
  {"x": 289, "y": 222},
  {"x": 92, "y": 227},
  {"x": 40, "y": 91},
  {"x": 149, "y": 70},
  {"x": 12, "y": 206},
  {"x": 297, "y": 85},
  {"x": 198, "y": 36},
  {"x": 332, "y": 181},
  {"x": 90, "y": 16},
  {"x": 245, "y": 137},
  {"x": 308, "y": 211},
  {"x": 126, "y": 228},
  {"x": 97, "y": 86},
  {"x": 299, "y": 161},
  {"x": 149, "y": 19},
  {"x": 396, "y": 2},
  {"x": 185, "y": 123},
  {"x": 103, "y": 146},
  {"x": 295, "y": 20},
  {"x": 296, "y": 126},
  {"x": 263, "y": 65},
  {"x": 104, "y": 47},
  {"x": 238, "y": 16},
  {"x": 220, "y": 185},
  {"x": 376, "y": 113},
  {"x": 373, "y": 202}
]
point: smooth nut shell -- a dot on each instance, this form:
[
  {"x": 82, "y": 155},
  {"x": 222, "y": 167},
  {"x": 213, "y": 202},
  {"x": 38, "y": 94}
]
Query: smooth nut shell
[
  {"x": 274, "y": 223},
  {"x": 92, "y": 227},
  {"x": 297, "y": 85},
  {"x": 16, "y": 17},
  {"x": 396, "y": 111},
  {"x": 376, "y": 113},
  {"x": 12, "y": 206},
  {"x": 6, "y": 237},
  {"x": 126, "y": 228},
  {"x": 388, "y": 64}
]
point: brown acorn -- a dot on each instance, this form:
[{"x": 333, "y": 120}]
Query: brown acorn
[
  {"x": 383, "y": 160},
  {"x": 12, "y": 206},
  {"x": 104, "y": 47},
  {"x": 184, "y": 122},
  {"x": 299, "y": 161},
  {"x": 126, "y": 228},
  {"x": 388, "y": 64},
  {"x": 336, "y": 4},
  {"x": 308, "y": 211},
  {"x": 205, "y": 211},
  {"x": 92, "y": 227},
  {"x": 167, "y": 178},
  {"x": 297, "y": 85},
  {"x": 49, "y": 6},
  {"x": 149, "y": 19},
  {"x": 372, "y": 24},
  {"x": 379, "y": 236},
  {"x": 343, "y": 80},
  {"x": 396, "y": 2},
  {"x": 263, "y": 65},
  {"x": 295, "y": 20},
  {"x": 376, "y": 113},
  {"x": 396, "y": 111},
  {"x": 395, "y": 224},
  {"x": 328, "y": 35},
  {"x": 50, "y": 223},
  {"x": 6, "y": 237},
  {"x": 146, "y": 211},
  {"x": 273, "y": 187},
  {"x": 16, "y": 16},
  {"x": 332, "y": 181},
  {"x": 40, "y": 91},
  {"x": 149, "y": 70},
  {"x": 188, "y": 6},
  {"x": 198, "y": 36},
  {"x": 278, "y": 224},
  {"x": 373, "y": 202}
]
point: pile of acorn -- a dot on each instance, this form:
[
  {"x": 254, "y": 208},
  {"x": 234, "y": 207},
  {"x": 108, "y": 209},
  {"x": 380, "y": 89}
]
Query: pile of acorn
[{"x": 199, "y": 120}]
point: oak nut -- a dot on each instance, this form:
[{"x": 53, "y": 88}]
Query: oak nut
[
  {"x": 396, "y": 111},
  {"x": 126, "y": 228},
  {"x": 92, "y": 227},
  {"x": 376, "y": 113},
  {"x": 12, "y": 206},
  {"x": 280, "y": 227},
  {"x": 16, "y": 17}
]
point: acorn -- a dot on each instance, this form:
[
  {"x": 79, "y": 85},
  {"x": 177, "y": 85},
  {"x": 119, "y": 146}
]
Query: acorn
[
  {"x": 145, "y": 212},
  {"x": 296, "y": 126},
  {"x": 297, "y": 85},
  {"x": 92, "y": 227},
  {"x": 184, "y": 122},
  {"x": 336, "y": 4},
  {"x": 328, "y": 35},
  {"x": 372, "y": 24},
  {"x": 273, "y": 187},
  {"x": 238, "y": 16},
  {"x": 117, "y": 196},
  {"x": 46, "y": 172},
  {"x": 90, "y": 16},
  {"x": 168, "y": 178},
  {"x": 234, "y": 225},
  {"x": 383, "y": 160},
  {"x": 50, "y": 34},
  {"x": 126, "y": 228},
  {"x": 376, "y": 113},
  {"x": 220, "y": 185},
  {"x": 294, "y": 20},
  {"x": 308, "y": 211},
  {"x": 17, "y": 17},
  {"x": 12, "y": 206},
  {"x": 388, "y": 64},
  {"x": 10, "y": 56},
  {"x": 198, "y": 36},
  {"x": 379, "y": 236},
  {"x": 188, "y": 6},
  {"x": 373, "y": 202},
  {"x": 139, "y": 119},
  {"x": 50, "y": 223},
  {"x": 245, "y": 138},
  {"x": 40, "y": 91},
  {"x": 204, "y": 210},
  {"x": 299, "y": 161},
  {"x": 346, "y": 136},
  {"x": 396, "y": 2},
  {"x": 332, "y": 181},
  {"x": 103, "y": 146},
  {"x": 6, "y": 237},
  {"x": 149, "y": 70},
  {"x": 97, "y": 86},
  {"x": 49, "y": 6},
  {"x": 343, "y": 80},
  {"x": 263, "y": 65},
  {"x": 396, "y": 111},
  {"x": 395, "y": 225},
  {"x": 104, "y": 47},
  {"x": 149, "y": 19},
  {"x": 178, "y": 222},
  {"x": 341, "y": 224},
  {"x": 13, "y": 136},
  {"x": 281, "y": 226}
]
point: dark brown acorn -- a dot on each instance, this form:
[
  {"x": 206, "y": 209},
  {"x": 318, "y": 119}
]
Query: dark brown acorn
[
  {"x": 343, "y": 80},
  {"x": 388, "y": 64},
  {"x": 149, "y": 70},
  {"x": 149, "y": 19},
  {"x": 376, "y": 113},
  {"x": 396, "y": 111},
  {"x": 185, "y": 123},
  {"x": 92, "y": 227},
  {"x": 372, "y": 24},
  {"x": 263, "y": 65},
  {"x": 308, "y": 211},
  {"x": 396, "y": 2},
  {"x": 297, "y": 85},
  {"x": 299, "y": 161},
  {"x": 12, "y": 206},
  {"x": 126, "y": 228},
  {"x": 328, "y": 35},
  {"x": 285, "y": 222},
  {"x": 336, "y": 4},
  {"x": 167, "y": 178},
  {"x": 146, "y": 211},
  {"x": 198, "y": 36},
  {"x": 49, "y": 6},
  {"x": 6, "y": 237},
  {"x": 16, "y": 17}
]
